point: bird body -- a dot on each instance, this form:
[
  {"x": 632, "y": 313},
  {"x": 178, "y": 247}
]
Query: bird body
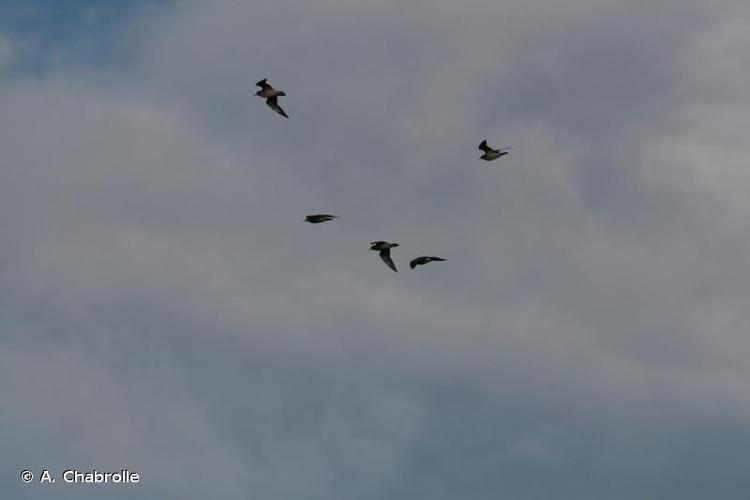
[
  {"x": 271, "y": 95},
  {"x": 384, "y": 247},
  {"x": 490, "y": 153},
  {"x": 420, "y": 261},
  {"x": 318, "y": 218}
]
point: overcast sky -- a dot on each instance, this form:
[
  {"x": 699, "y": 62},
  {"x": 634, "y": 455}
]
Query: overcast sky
[{"x": 165, "y": 309}]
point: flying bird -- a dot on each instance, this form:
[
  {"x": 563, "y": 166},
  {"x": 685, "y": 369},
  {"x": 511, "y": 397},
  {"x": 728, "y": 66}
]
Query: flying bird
[
  {"x": 384, "y": 248},
  {"x": 318, "y": 218},
  {"x": 491, "y": 154},
  {"x": 420, "y": 261},
  {"x": 271, "y": 95}
]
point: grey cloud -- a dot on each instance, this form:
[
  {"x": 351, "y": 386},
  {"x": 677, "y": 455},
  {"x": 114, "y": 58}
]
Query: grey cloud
[{"x": 168, "y": 309}]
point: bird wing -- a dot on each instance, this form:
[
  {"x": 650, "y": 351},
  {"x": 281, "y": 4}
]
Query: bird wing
[
  {"x": 320, "y": 218},
  {"x": 419, "y": 261},
  {"x": 484, "y": 147},
  {"x": 274, "y": 105},
  {"x": 262, "y": 84},
  {"x": 385, "y": 254}
]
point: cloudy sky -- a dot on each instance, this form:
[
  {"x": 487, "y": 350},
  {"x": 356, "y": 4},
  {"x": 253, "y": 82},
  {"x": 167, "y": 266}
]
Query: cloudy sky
[{"x": 166, "y": 310}]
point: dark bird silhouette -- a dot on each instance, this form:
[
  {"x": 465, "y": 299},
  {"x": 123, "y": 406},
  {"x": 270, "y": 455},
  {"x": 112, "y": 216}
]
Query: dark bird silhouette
[
  {"x": 384, "y": 248},
  {"x": 318, "y": 218},
  {"x": 420, "y": 261},
  {"x": 491, "y": 154},
  {"x": 271, "y": 95}
]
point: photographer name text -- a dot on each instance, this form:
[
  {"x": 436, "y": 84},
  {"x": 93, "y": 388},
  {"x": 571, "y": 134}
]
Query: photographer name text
[{"x": 87, "y": 477}]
